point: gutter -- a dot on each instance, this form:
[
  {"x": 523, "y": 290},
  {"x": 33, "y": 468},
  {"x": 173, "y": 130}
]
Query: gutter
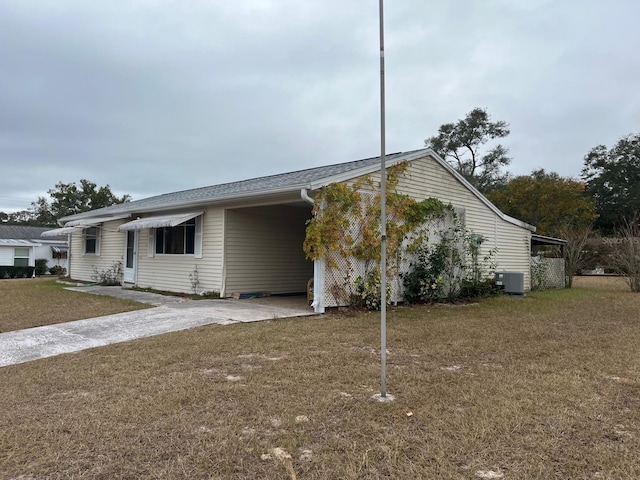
[{"x": 184, "y": 204}]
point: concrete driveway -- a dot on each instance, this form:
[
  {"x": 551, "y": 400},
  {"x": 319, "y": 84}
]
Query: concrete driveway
[{"x": 172, "y": 314}]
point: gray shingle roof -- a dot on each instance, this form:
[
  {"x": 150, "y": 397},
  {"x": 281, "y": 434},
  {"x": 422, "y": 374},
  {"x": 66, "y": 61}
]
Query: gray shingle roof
[
  {"x": 280, "y": 182},
  {"x": 22, "y": 232}
]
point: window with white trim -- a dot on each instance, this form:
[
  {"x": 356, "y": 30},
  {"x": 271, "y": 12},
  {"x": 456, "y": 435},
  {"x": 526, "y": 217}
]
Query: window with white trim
[
  {"x": 92, "y": 241},
  {"x": 20, "y": 257},
  {"x": 178, "y": 240}
]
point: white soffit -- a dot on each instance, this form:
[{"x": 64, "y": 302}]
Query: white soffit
[{"x": 158, "y": 221}]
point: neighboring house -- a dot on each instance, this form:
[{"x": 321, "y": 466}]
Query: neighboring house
[
  {"x": 22, "y": 245},
  {"x": 247, "y": 236}
]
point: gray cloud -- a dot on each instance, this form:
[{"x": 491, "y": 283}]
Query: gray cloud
[{"x": 155, "y": 96}]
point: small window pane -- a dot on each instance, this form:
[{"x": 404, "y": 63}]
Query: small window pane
[
  {"x": 177, "y": 240},
  {"x": 160, "y": 240},
  {"x": 21, "y": 252},
  {"x": 91, "y": 245},
  {"x": 190, "y": 240},
  {"x": 21, "y": 262},
  {"x": 91, "y": 236}
]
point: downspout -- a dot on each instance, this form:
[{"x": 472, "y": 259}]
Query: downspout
[
  {"x": 305, "y": 196},
  {"x": 69, "y": 255},
  {"x": 318, "y": 268}
]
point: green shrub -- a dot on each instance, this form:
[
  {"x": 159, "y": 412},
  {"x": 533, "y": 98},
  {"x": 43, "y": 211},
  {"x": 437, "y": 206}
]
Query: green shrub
[
  {"x": 58, "y": 270},
  {"x": 425, "y": 282},
  {"x": 449, "y": 269},
  {"x": 16, "y": 272},
  {"x": 41, "y": 266},
  {"x": 368, "y": 292},
  {"x": 480, "y": 289}
]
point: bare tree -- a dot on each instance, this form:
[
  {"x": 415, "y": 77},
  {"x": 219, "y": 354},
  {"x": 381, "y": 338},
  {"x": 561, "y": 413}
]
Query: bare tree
[
  {"x": 626, "y": 253},
  {"x": 575, "y": 254}
]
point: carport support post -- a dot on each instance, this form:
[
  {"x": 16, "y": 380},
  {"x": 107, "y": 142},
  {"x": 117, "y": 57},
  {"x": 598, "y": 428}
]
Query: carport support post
[{"x": 383, "y": 220}]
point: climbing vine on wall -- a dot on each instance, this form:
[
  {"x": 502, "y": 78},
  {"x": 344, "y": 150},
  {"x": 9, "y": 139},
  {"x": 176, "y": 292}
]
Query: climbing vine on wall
[{"x": 346, "y": 225}]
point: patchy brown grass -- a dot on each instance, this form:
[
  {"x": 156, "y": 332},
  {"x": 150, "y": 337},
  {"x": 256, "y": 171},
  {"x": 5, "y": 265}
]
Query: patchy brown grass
[
  {"x": 546, "y": 386},
  {"x": 33, "y": 302}
]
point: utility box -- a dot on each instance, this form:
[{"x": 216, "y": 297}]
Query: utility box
[{"x": 511, "y": 282}]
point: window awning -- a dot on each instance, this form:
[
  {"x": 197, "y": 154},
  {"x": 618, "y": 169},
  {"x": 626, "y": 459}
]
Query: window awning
[
  {"x": 77, "y": 225},
  {"x": 158, "y": 221},
  {"x": 94, "y": 221},
  {"x": 55, "y": 249},
  {"x": 56, "y": 232}
]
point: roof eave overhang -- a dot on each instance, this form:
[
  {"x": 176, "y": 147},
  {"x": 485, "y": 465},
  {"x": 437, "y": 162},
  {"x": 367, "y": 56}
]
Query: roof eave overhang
[
  {"x": 542, "y": 240},
  {"x": 265, "y": 195},
  {"x": 414, "y": 156}
]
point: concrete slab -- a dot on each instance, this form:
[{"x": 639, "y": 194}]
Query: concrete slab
[
  {"x": 41, "y": 342},
  {"x": 129, "y": 294}
]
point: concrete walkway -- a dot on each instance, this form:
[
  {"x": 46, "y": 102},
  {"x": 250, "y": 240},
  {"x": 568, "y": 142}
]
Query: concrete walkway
[{"x": 173, "y": 314}]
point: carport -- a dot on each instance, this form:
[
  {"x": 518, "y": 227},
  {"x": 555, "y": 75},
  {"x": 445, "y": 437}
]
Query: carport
[{"x": 263, "y": 249}]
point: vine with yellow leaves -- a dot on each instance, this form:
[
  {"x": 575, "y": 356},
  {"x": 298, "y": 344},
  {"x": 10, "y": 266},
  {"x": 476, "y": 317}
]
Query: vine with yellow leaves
[{"x": 332, "y": 234}]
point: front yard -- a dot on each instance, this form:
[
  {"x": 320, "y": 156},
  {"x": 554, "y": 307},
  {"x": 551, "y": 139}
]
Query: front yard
[
  {"x": 546, "y": 386},
  {"x": 33, "y": 302}
]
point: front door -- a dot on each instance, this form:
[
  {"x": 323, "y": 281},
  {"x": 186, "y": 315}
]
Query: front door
[{"x": 131, "y": 256}]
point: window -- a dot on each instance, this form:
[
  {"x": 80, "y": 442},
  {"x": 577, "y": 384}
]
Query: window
[
  {"x": 20, "y": 257},
  {"x": 59, "y": 253},
  {"x": 178, "y": 240},
  {"x": 92, "y": 241}
]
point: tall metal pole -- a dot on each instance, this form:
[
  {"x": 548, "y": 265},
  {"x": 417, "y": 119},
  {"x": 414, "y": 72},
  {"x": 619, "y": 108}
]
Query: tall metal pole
[{"x": 383, "y": 220}]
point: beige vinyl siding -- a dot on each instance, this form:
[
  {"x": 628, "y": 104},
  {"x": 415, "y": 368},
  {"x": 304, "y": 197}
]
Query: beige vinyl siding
[
  {"x": 111, "y": 252},
  {"x": 171, "y": 272},
  {"x": 263, "y": 249},
  {"x": 425, "y": 178}
]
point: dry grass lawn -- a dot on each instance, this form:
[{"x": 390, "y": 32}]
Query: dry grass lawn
[
  {"x": 537, "y": 388},
  {"x": 33, "y": 302}
]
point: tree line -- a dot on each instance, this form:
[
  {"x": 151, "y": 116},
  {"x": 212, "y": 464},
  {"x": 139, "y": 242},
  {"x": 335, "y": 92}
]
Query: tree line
[
  {"x": 606, "y": 194},
  {"x": 64, "y": 199}
]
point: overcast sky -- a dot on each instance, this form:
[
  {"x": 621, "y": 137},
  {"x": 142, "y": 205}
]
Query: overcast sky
[{"x": 154, "y": 96}]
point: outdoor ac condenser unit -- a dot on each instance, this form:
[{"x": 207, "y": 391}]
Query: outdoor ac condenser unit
[{"x": 511, "y": 282}]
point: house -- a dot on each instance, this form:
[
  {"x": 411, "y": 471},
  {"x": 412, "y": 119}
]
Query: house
[
  {"x": 22, "y": 245},
  {"x": 247, "y": 236}
]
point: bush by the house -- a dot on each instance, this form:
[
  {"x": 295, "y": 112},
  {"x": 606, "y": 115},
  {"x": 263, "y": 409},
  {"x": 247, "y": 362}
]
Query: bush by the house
[
  {"x": 449, "y": 269},
  {"x": 41, "y": 266},
  {"x": 109, "y": 276},
  {"x": 16, "y": 272},
  {"x": 58, "y": 270},
  {"x": 368, "y": 292}
]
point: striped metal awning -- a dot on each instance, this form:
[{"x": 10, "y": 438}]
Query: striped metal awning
[{"x": 159, "y": 221}]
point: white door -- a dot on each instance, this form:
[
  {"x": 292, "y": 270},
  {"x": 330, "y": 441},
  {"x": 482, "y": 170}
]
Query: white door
[{"x": 131, "y": 256}]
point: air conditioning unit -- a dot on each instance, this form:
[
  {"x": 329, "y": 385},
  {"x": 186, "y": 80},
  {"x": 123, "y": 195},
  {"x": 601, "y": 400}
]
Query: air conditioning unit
[{"x": 511, "y": 282}]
